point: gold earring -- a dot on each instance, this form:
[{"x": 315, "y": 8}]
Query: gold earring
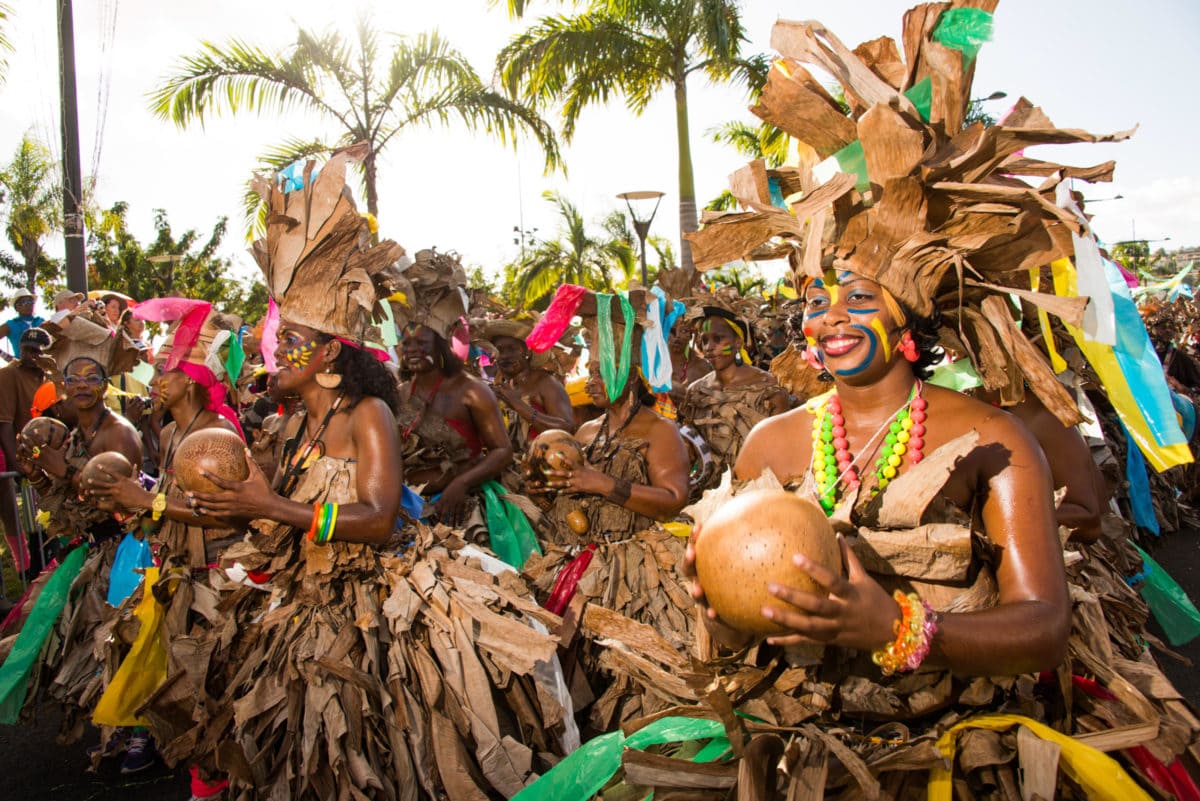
[{"x": 329, "y": 379}]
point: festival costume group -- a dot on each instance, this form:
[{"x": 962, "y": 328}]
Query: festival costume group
[{"x": 309, "y": 646}]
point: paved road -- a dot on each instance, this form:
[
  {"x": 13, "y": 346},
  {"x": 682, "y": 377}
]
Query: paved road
[{"x": 34, "y": 768}]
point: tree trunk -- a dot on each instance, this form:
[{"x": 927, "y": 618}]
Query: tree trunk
[
  {"x": 372, "y": 192},
  {"x": 687, "y": 181},
  {"x": 31, "y": 251}
]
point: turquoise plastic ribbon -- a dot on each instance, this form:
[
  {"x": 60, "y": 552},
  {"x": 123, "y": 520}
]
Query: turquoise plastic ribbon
[{"x": 613, "y": 369}]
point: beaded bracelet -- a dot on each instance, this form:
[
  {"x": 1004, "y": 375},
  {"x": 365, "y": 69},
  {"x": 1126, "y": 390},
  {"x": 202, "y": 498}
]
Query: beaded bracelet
[{"x": 914, "y": 634}]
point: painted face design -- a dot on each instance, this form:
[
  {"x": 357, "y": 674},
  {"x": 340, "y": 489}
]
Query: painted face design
[
  {"x": 299, "y": 356},
  {"x": 851, "y": 348}
]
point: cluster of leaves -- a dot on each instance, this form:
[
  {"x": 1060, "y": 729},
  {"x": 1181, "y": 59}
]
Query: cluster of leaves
[
  {"x": 187, "y": 265},
  {"x": 605, "y": 258}
]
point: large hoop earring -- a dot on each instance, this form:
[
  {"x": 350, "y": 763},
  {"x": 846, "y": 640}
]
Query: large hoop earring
[{"x": 329, "y": 379}]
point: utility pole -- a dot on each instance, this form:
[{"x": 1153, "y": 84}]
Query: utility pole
[{"x": 72, "y": 178}]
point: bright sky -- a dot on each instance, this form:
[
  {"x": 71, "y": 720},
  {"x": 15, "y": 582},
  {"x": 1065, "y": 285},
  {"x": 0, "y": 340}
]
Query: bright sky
[{"x": 1101, "y": 65}]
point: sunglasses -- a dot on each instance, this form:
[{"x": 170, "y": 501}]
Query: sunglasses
[{"x": 79, "y": 380}]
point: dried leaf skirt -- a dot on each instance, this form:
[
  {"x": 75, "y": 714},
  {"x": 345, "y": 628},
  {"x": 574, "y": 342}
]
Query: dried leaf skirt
[{"x": 356, "y": 674}]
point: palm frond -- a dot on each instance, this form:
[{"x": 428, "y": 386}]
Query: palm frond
[
  {"x": 585, "y": 59},
  {"x": 234, "y": 77},
  {"x": 6, "y": 45},
  {"x": 480, "y": 109}
]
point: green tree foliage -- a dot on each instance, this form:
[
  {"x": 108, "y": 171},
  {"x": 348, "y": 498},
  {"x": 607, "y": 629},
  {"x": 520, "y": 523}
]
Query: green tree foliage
[
  {"x": 747, "y": 280},
  {"x": 187, "y": 265},
  {"x": 33, "y": 210},
  {"x": 603, "y": 260},
  {"x": 632, "y": 49},
  {"x": 367, "y": 91}
]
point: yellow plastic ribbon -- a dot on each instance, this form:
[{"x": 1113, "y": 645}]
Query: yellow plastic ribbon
[
  {"x": 1056, "y": 361},
  {"x": 677, "y": 529},
  {"x": 1100, "y": 776},
  {"x": 143, "y": 669}
]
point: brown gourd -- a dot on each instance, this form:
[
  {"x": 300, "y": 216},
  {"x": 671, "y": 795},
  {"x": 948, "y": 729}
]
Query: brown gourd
[
  {"x": 110, "y": 462},
  {"x": 216, "y": 451},
  {"x": 749, "y": 542},
  {"x": 553, "y": 449}
]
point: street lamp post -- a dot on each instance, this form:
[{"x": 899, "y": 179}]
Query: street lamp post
[{"x": 642, "y": 224}]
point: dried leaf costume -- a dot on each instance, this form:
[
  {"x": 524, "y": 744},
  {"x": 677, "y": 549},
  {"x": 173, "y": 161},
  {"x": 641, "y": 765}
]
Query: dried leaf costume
[
  {"x": 340, "y": 670},
  {"x": 901, "y": 192},
  {"x": 624, "y": 562}
]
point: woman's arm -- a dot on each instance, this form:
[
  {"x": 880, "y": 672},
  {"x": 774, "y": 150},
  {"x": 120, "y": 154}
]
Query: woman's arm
[
  {"x": 661, "y": 499},
  {"x": 553, "y": 397},
  {"x": 1027, "y": 631},
  {"x": 380, "y": 475},
  {"x": 498, "y": 452}
]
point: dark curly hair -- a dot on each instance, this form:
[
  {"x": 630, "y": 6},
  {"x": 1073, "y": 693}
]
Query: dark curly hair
[{"x": 364, "y": 376}]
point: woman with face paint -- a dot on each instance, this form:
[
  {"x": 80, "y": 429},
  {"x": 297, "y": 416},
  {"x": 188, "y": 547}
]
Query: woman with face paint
[
  {"x": 186, "y": 387},
  {"x": 725, "y": 404},
  {"x": 71, "y": 673},
  {"x": 880, "y": 422}
]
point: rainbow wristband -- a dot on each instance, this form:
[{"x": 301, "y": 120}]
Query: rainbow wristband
[{"x": 332, "y": 521}]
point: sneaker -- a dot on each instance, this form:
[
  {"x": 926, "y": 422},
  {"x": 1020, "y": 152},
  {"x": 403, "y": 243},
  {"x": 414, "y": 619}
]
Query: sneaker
[
  {"x": 139, "y": 753},
  {"x": 113, "y": 746}
]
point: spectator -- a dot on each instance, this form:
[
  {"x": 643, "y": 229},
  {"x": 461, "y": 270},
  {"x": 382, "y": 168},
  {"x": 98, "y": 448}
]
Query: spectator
[
  {"x": 67, "y": 301},
  {"x": 25, "y": 319},
  {"x": 114, "y": 307},
  {"x": 19, "y": 382}
]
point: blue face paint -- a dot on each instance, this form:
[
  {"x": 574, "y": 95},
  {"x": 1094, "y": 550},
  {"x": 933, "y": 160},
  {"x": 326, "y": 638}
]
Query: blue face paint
[
  {"x": 873, "y": 340},
  {"x": 814, "y": 314},
  {"x": 863, "y": 311}
]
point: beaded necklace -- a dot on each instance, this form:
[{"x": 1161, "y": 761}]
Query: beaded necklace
[{"x": 834, "y": 465}]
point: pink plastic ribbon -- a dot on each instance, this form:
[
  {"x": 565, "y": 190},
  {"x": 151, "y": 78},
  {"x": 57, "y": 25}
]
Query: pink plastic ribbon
[
  {"x": 380, "y": 355},
  {"x": 460, "y": 340},
  {"x": 557, "y": 318},
  {"x": 216, "y": 393},
  {"x": 191, "y": 315},
  {"x": 270, "y": 336}
]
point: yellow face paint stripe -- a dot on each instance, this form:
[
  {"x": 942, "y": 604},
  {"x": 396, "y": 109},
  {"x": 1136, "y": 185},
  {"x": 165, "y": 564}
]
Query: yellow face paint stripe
[{"x": 877, "y": 327}]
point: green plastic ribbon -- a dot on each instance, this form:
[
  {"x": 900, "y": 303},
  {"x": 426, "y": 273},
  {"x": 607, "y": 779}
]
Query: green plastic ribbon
[
  {"x": 965, "y": 30},
  {"x": 1172, "y": 607},
  {"x": 958, "y": 376},
  {"x": 853, "y": 161},
  {"x": 236, "y": 356},
  {"x": 509, "y": 531},
  {"x": 14, "y": 673},
  {"x": 581, "y": 775},
  {"x": 614, "y": 370}
]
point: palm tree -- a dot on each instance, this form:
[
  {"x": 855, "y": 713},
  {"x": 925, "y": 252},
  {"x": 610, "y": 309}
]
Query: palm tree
[
  {"x": 367, "y": 92},
  {"x": 575, "y": 257},
  {"x": 631, "y": 48},
  {"x": 32, "y": 196}
]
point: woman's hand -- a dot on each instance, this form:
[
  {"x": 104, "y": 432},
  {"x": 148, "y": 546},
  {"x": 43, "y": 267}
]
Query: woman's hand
[
  {"x": 51, "y": 460},
  {"x": 507, "y": 393},
  {"x": 449, "y": 506},
  {"x": 724, "y": 634},
  {"x": 580, "y": 479},
  {"x": 118, "y": 492},
  {"x": 858, "y": 612},
  {"x": 236, "y": 500}
]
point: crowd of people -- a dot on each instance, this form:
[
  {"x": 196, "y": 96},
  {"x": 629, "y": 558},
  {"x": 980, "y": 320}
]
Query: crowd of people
[{"x": 302, "y": 562}]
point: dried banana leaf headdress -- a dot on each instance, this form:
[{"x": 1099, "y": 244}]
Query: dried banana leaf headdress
[
  {"x": 432, "y": 293},
  {"x": 901, "y": 192},
  {"x": 317, "y": 259}
]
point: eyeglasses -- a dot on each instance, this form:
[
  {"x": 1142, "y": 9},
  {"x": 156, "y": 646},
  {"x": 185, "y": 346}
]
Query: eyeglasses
[{"x": 77, "y": 380}]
